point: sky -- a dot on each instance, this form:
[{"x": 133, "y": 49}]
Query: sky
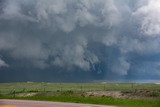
[{"x": 79, "y": 40}]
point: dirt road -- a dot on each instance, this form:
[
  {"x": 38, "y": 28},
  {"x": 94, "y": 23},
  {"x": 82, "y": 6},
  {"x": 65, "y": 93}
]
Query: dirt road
[{"x": 26, "y": 103}]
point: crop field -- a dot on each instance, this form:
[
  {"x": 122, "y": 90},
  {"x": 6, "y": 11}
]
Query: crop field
[{"x": 119, "y": 94}]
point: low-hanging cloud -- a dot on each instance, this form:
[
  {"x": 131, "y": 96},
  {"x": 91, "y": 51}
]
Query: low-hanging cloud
[
  {"x": 3, "y": 64},
  {"x": 64, "y": 33}
]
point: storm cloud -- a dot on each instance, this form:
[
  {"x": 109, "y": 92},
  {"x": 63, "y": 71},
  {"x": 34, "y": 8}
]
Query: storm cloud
[{"x": 102, "y": 37}]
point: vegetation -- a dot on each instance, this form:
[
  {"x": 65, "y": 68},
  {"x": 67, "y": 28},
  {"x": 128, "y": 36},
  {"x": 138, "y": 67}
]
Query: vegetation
[{"x": 78, "y": 93}]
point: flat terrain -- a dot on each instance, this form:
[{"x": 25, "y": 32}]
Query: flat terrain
[
  {"x": 117, "y": 94},
  {"x": 24, "y": 103}
]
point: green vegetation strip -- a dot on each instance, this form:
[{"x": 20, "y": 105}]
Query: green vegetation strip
[{"x": 94, "y": 100}]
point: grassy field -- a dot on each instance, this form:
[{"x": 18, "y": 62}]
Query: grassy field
[
  {"x": 32, "y": 86},
  {"x": 78, "y": 93}
]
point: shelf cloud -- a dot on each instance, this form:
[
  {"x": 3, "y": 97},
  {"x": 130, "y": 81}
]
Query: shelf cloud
[{"x": 108, "y": 37}]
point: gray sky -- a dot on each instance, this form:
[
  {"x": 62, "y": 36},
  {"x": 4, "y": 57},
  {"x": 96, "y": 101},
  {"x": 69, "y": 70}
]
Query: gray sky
[{"x": 79, "y": 40}]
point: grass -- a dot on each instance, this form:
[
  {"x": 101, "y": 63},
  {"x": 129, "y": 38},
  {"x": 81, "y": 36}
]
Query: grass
[
  {"x": 95, "y": 100},
  {"x": 7, "y": 87},
  {"x": 71, "y": 92}
]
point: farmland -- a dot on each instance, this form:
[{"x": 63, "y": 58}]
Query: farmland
[{"x": 119, "y": 94}]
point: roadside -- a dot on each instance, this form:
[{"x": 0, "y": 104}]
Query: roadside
[{"x": 27, "y": 103}]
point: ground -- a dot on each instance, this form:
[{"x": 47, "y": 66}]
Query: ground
[
  {"x": 25, "y": 103},
  {"x": 119, "y": 94}
]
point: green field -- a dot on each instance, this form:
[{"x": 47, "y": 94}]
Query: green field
[{"x": 145, "y": 95}]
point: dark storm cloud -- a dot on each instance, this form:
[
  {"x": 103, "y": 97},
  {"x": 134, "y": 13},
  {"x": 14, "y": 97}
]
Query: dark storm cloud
[{"x": 65, "y": 34}]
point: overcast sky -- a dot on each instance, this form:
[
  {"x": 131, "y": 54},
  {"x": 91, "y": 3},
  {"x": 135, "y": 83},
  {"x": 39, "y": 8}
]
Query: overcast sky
[{"x": 79, "y": 40}]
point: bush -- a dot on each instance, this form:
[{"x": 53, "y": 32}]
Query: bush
[
  {"x": 155, "y": 94},
  {"x": 69, "y": 92}
]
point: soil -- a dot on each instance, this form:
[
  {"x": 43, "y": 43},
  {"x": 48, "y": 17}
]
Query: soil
[{"x": 126, "y": 94}]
